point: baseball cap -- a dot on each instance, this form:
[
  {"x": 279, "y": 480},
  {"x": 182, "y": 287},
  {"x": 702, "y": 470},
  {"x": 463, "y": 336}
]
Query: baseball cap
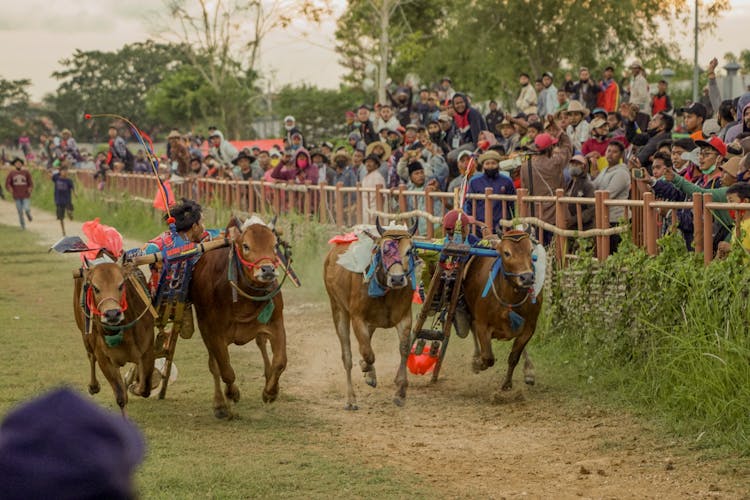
[
  {"x": 714, "y": 143},
  {"x": 697, "y": 109},
  {"x": 544, "y": 141}
]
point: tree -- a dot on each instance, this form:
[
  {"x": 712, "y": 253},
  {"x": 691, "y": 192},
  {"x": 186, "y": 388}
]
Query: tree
[
  {"x": 111, "y": 82},
  {"x": 484, "y": 45},
  {"x": 225, "y": 37},
  {"x": 14, "y": 108},
  {"x": 319, "y": 112},
  {"x": 373, "y": 32}
]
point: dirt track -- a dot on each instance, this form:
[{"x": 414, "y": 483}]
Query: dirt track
[{"x": 461, "y": 433}]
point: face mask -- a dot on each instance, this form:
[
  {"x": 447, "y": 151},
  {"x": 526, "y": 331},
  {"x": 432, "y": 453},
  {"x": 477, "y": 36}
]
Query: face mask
[
  {"x": 341, "y": 163},
  {"x": 575, "y": 171},
  {"x": 492, "y": 173},
  {"x": 289, "y": 127},
  {"x": 302, "y": 162},
  {"x": 435, "y": 137},
  {"x": 393, "y": 143},
  {"x": 274, "y": 161},
  {"x": 709, "y": 170},
  {"x": 295, "y": 147}
]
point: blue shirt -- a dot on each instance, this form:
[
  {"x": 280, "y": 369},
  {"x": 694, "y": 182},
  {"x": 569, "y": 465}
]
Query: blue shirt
[
  {"x": 500, "y": 185},
  {"x": 63, "y": 189}
]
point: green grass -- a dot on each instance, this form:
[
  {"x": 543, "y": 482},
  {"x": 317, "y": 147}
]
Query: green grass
[
  {"x": 276, "y": 451},
  {"x": 677, "y": 351}
]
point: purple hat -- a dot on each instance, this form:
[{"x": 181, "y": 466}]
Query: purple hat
[{"x": 62, "y": 446}]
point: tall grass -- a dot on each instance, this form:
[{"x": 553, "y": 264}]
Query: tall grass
[{"x": 676, "y": 345}]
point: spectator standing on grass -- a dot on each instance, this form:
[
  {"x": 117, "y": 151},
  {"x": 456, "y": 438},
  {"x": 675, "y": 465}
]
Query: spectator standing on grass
[
  {"x": 20, "y": 184},
  {"x": 64, "y": 189}
]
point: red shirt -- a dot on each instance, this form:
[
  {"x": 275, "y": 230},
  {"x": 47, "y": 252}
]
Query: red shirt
[{"x": 19, "y": 182}]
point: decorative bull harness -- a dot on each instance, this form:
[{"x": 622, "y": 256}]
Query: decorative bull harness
[
  {"x": 448, "y": 281},
  {"x": 387, "y": 258},
  {"x": 235, "y": 273}
]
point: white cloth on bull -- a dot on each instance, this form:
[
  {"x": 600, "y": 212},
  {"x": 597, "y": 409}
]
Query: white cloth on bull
[
  {"x": 359, "y": 254},
  {"x": 253, "y": 219}
]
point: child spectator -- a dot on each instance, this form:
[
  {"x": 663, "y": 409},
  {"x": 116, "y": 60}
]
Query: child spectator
[
  {"x": 20, "y": 185},
  {"x": 64, "y": 189}
]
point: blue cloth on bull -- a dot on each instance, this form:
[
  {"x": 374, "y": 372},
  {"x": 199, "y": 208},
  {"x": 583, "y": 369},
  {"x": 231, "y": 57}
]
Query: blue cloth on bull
[{"x": 62, "y": 446}]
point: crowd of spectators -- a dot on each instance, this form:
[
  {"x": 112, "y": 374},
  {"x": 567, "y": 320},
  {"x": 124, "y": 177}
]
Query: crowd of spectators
[{"x": 589, "y": 134}]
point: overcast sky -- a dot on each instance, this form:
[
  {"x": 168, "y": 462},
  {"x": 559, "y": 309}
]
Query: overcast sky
[{"x": 36, "y": 34}]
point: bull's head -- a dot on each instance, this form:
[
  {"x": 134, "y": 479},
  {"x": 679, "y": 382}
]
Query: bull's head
[
  {"x": 515, "y": 250},
  {"x": 105, "y": 292},
  {"x": 255, "y": 247},
  {"x": 396, "y": 254}
]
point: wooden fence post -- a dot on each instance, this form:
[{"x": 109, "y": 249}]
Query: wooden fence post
[
  {"x": 358, "y": 202},
  {"x": 401, "y": 198},
  {"x": 429, "y": 207},
  {"x": 339, "y": 205},
  {"x": 598, "y": 224},
  {"x": 521, "y": 208},
  {"x": 605, "y": 223},
  {"x": 379, "y": 203},
  {"x": 489, "y": 216},
  {"x": 560, "y": 246},
  {"x": 698, "y": 222},
  {"x": 306, "y": 203},
  {"x": 649, "y": 223},
  {"x": 323, "y": 203},
  {"x": 708, "y": 237}
]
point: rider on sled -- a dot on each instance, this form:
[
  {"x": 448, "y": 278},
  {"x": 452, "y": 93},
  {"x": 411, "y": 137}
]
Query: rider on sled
[{"x": 188, "y": 217}]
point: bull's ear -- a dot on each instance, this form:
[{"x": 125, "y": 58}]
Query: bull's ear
[
  {"x": 378, "y": 226},
  {"x": 414, "y": 228}
]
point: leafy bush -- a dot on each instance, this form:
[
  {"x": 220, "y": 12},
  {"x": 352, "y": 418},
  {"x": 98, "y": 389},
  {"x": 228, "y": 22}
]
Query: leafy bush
[{"x": 674, "y": 333}]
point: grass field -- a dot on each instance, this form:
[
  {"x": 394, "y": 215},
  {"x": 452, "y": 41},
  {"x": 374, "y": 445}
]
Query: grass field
[
  {"x": 270, "y": 452},
  {"x": 455, "y": 440}
]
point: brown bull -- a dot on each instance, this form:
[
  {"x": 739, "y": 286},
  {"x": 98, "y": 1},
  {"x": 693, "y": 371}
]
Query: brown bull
[
  {"x": 120, "y": 325},
  {"x": 493, "y": 316},
  {"x": 352, "y": 304},
  {"x": 237, "y": 298}
]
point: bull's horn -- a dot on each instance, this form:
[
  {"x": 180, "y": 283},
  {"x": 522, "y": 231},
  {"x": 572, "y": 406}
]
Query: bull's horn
[
  {"x": 272, "y": 225},
  {"x": 378, "y": 226},
  {"x": 414, "y": 228}
]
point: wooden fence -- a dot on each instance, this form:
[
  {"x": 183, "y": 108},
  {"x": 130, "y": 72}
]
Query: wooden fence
[{"x": 346, "y": 206}]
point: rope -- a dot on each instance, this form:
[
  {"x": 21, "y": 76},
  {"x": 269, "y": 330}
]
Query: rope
[
  {"x": 408, "y": 215},
  {"x": 569, "y": 233}
]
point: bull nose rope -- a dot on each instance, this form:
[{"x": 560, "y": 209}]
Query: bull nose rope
[{"x": 234, "y": 272}]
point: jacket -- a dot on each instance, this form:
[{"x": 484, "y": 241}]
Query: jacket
[
  {"x": 542, "y": 175},
  {"x": 587, "y": 92},
  {"x": 616, "y": 181},
  {"x": 527, "y": 100},
  {"x": 580, "y": 187},
  {"x": 649, "y": 141},
  {"x": 225, "y": 153}
]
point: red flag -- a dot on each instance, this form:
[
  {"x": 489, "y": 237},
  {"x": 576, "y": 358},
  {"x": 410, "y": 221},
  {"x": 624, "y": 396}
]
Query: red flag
[{"x": 159, "y": 198}]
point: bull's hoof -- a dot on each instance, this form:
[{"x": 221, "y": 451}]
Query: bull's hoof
[
  {"x": 477, "y": 365},
  {"x": 233, "y": 393},
  {"x": 507, "y": 386},
  {"x": 398, "y": 401},
  {"x": 268, "y": 397},
  {"x": 371, "y": 381},
  {"x": 351, "y": 407},
  {"x": 529, "y": 380},
  {"x": 94, "y": 388},
  {"x": 222, "y": 413}
]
